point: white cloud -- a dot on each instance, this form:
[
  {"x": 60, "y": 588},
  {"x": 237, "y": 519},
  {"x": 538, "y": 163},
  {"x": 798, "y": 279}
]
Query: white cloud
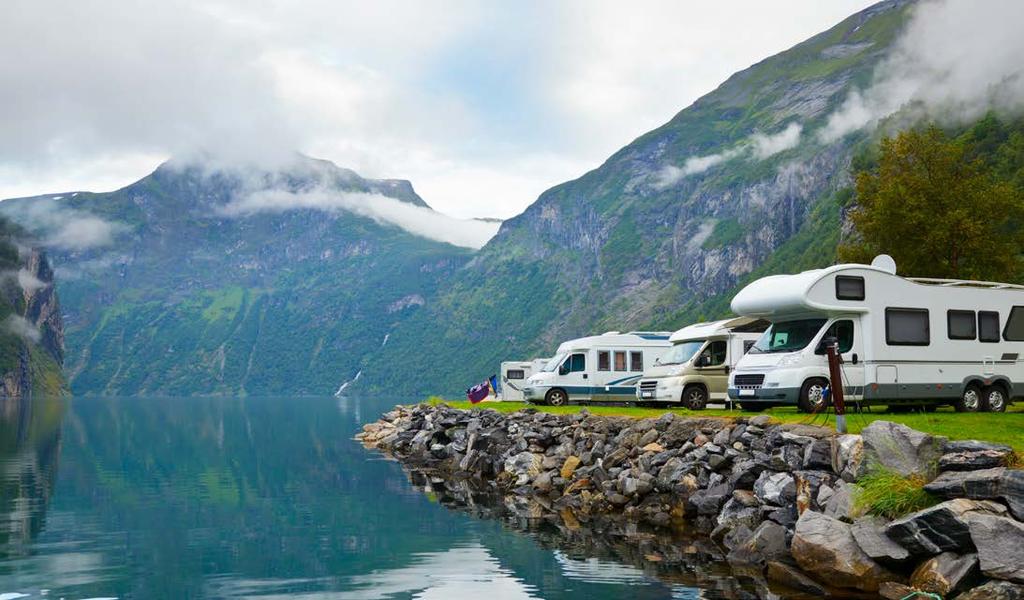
[
  {"x": 61, "y": 226},
  {"x": 758, "y": 146},
  {"x": 21, "y": 327},
  {"x": 764, "y": 146},
  {"x": 415, "y": 219},
  {"x": 955, "y": 61},
  {"x": 29, "y": 282}
]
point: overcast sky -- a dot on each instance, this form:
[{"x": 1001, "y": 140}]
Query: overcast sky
[{"x": 482, "y": 105}]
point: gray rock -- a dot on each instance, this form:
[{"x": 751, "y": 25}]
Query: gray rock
[
  {"x": 807, "y": 485},
  {"x": 974, "y": 446},
  {"x": 745, "y": 497},
  {"x": 902, "y": 449},
  {"x": 987, "y": 484},
  {"x": 524, "y": 466},
  {"x": 848, "y": 456},
  {"x": 973, "y": 460},
  {"x": 818, "y": 455},
  {"x": 718, "y": 462},
  {"x": 870, "y": 535},
  {"x": 649, "y": 437},
  {"x": 824, "y": 493},
  {"x": 994, "y": 590},
  {"x": 826, "y": 548},
  {"x": 944, "y": 573},
  {"x": 709, "y": 501},
  {"x": 767, "y": 542},
  {"x": 542, "y": 483},
  {"x": 745, "y": 473},
  {"x": 722, "y": 437},
  {"x": 790, "y": 577},
  {"x": 775, "y": 488},
  {"x": 1000, "y": 543},
  {"x": 840, "y": 504},
  {"x": 941, "y": 527},
  {"x": 760, "y": 420}
]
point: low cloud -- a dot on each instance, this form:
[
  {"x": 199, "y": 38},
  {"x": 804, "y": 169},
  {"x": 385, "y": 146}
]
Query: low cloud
[
  {"x": 764, "y": 146},
  {"x": 758, "y": 146},
  {"x": 63, "y": 227},
  {"x": 954, "y": 62},
  {"x": 418, "y": 220},
  {"x": 28, "y": 281},
  {"x": 22, "y": 328}
]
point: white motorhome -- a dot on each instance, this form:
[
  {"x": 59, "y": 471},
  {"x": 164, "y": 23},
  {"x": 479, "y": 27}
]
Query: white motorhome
[
  {"x": 513, "y": 376},
  {"x": 597, "y": 368},
  {"x": 902, "y": 340},
  {"x": 696, "y": 369}
]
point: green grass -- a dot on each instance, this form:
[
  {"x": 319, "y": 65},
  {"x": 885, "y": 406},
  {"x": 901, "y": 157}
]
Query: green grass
[
  {"x": 1002, "y": 428},
  {"x": 888, "y": 494}
]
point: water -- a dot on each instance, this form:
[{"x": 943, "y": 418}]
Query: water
[{"x": 264, "y": 498}]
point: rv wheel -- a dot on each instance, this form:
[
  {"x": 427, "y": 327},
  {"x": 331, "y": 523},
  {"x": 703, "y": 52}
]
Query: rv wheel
[
  {"x": 970, "y": 401},
  {"x": 557, "y": 397},
  {"x": 995, "y": 399},
  {"x": 695, "y": 397},
  {"x": 812, "y": 397}
]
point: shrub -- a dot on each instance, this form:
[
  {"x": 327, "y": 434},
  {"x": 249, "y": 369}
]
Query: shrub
[{"x": 888, "y": 494}]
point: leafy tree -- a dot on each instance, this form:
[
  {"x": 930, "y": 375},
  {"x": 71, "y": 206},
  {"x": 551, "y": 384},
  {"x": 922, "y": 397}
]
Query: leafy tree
[{"x": 939, "y": 209}]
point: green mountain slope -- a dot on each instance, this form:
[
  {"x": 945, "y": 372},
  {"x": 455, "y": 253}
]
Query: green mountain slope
[
  {"x": 652, "y": 237},
  {"x": 191, "y": 298}
]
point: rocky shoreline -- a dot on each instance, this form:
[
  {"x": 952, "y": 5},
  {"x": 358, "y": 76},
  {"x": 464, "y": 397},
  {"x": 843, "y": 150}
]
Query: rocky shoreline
[{"x": 777, "y": 503}]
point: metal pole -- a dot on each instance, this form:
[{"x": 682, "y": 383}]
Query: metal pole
[{"x": 836, "y": 385}]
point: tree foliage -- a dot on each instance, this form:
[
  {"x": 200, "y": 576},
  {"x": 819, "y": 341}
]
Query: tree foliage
[{"x": 941, "y": 206}]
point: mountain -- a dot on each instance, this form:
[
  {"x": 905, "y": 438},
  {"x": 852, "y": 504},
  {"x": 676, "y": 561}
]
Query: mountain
[
  {"x": 234, "y": 281},
  {"x": 737, "y": 184},
  {"x": 31, "y": 327}
]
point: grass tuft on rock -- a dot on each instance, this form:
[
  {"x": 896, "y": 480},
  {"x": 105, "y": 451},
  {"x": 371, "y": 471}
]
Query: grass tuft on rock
[{"x": 888, "y": 494}]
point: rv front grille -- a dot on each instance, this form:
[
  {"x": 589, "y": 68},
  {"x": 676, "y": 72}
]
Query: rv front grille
[
  {"x": 749, "y": 381},
  {"x": 648, "y": 386}
]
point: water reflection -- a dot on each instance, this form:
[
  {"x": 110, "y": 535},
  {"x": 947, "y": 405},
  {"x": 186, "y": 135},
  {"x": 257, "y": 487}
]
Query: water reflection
[{"x": 271, "y": 498}]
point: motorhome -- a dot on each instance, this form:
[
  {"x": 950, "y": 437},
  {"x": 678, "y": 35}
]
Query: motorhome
[
  {"x": 901, "y": 340},
  {"x": 513, "y": 376},
  {"x": 696, "y": 368},
  {"x": 597, "y": 368}
]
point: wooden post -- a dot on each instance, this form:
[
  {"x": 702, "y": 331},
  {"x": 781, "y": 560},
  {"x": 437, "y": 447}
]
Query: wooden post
[{"x": 836, "y": 386}]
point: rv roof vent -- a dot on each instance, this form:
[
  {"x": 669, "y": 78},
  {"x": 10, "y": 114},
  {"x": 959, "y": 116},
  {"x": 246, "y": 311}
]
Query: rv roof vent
[{"x": 885, "y": 263}]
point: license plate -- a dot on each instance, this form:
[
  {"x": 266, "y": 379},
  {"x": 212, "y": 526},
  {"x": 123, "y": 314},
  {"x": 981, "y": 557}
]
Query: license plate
[
  {"x": 746, "y": 392},
  {"x": 646, "y": 394}
]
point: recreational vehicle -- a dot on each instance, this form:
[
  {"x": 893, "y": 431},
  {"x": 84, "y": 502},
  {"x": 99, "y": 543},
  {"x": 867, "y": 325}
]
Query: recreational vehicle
[
  {"x": 901, "y": 340},
  {"x": 597, "y": 368},
  {"x": 696, "y": 368},
  {"x": 513, "y": 377}
]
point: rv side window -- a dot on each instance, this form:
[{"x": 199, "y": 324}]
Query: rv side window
[
  {"x": 849, "y": 287},
  {"x": 577, "y": 362},
  {"x": 1014, "y": 331},
  {"x": 620, "y": 361},
  {"x": 636, "y": 361},
  {"x": 907, "y": 327},
  {"x": 961, "y": 325},
  {"x": 604, "y": 360},
  {"x": 515, "y": 374},
  {"x": 988, "y": 326}
]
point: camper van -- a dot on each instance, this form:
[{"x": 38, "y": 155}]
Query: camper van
[
  {"x": 514, "y": 374},
  {"x": 901, "y": 340},
  {"x": 696, "y": 368},
  {"x": 597, "y": 368}
]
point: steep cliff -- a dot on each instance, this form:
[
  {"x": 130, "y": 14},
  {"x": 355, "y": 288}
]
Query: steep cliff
[{"x": 31, "y": 328}]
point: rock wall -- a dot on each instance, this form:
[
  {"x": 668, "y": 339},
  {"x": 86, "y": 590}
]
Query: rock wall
[{"x": 778, "y": 501}]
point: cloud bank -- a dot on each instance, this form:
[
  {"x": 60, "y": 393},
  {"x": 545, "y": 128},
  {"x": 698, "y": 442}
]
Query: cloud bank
[
  {"x": 757, "y": 146},
  {"x": 955, "y": 61},
  {"x": 22, "y": 328},
  {"x": 418, "y": 220},
  {"x": 59, "y": 226}
]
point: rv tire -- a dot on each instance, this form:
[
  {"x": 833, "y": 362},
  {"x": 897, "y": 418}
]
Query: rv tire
[
  {"x": 810, "y": 399},
  {"x": 994, "y": 399},
  {"x": 970, "y": 400},
  {"x": 556, "y": 397},
  {"x": 695, "y": 397}
]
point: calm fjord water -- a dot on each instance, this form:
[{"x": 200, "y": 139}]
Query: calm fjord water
[{"x": 239, "y": 498}]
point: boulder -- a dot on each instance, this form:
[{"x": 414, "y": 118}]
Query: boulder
[
  {"x": 790, "y": 577},
  {"x": 994, "y": 590},
  {"x": 987, "y": 484},
  {"x": 974, "y": 446},
  {"x": 826, "y": 548},
  {"x": 945, "y": 573},
  {"x": 818, "y": 454},
  {"x": 525, "y": 466},
  {"x": 870, "y": 535},
  {"x": 941, "y": 527},
  {"x": 973, "y": 460},
  {"x": 775, "y": 488},
  {"x": 848, "y": 456},
  {"x": 840, "y": 504},
  {"x": 709, "y": 501},
  {"x": 902, "y": 449},
  {"x": 767, "y": 542},
  {"x": 1000, "y": 543}
]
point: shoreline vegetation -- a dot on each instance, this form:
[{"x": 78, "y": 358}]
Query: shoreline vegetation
[{"x": 789, "y": 507}]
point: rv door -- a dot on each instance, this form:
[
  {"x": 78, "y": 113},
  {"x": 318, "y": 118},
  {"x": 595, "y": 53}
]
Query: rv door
[
  {"x": 849, "y": 333},
  {"x": 573, "y": 377},
  {"x": 712, "y": 363}
]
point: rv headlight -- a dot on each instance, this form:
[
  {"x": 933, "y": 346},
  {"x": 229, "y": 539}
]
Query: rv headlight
[{"x": 789, "y": 360}]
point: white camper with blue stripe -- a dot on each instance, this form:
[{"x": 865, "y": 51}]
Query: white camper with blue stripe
[{"x": 599, "y": 368}]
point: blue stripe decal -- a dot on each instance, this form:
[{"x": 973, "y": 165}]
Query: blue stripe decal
[{"x": 625, "y": 379}]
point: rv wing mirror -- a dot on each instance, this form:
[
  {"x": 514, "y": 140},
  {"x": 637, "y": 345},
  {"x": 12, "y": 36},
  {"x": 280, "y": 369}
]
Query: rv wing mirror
[
  {"x": 704, "y": 361},
  {"x": 563, "y": 369},
  {"x": 825, "y": 342}
]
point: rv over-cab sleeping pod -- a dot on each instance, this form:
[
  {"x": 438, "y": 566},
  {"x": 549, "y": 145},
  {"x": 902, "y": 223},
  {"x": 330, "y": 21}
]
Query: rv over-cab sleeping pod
[
  {"x": 902, "y": 340},
  {"x": 597, "y": 368}
]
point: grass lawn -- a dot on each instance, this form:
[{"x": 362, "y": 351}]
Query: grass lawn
[{"x": 1004, "y": 428}]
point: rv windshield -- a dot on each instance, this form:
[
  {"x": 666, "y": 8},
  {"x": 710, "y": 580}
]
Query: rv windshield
[
  {"x": 787, "y": 336},
  {"x": 553, "y": 363},
  {"x": 681, "y": 352}
]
